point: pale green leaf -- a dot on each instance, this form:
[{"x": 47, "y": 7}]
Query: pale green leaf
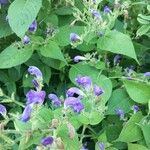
[
  {"x": 138, "y": 91},
  {"x": 12, "y": 56},
  {"x": 117, "y": 42},
  {"x": 22, "y": 13}
]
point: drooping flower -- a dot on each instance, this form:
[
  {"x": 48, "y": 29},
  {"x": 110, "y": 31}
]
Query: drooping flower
[
  {"x": 27, "y": 113},
  {"x": 117, "y": 59},
  {"x": 33, "y": 70},
  {"x": 107, "y": 10},
  {"x": 36, "y": 97},
  {"x": 55, "y": 100},
  {"x": 25, "y": 40},
  {"x": 74, "y": 37},
  {"x": 84, "y": 81},
  {"x": 74, "y": 103},
  {"x": 101, "y": 146},
  {"x": 74, "y": 90},
  {"x": 3, "y": 110},
  {"x": 79, "y": 58},
  {"x": 147, "y": 74},
  {"x": 33, "y": 26},
  {"x": 96, "y": 14},
  {"x": 98, "y": 91},
  {"x": 3, "y": 1},
  {"x": 47, "y": 141},
  {"x": 120, "y": 113},
  {"x": 135, "y": 108}
]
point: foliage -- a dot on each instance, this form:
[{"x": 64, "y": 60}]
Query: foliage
[{"x": 74, "y": 74}]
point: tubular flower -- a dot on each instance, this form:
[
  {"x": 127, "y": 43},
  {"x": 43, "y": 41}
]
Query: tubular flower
[
  {"x": 74, "y": 37},
  {"x": 84, "y": 81},
  {"x": 98, "y": 91},
  {"x": 33, "y": 70},
  {"x": 3, "y": 110},
  {"x": 33, "y": 26},
  {"x": 27, "y": 113},
  {"x": 55, "y": 100},
  {"x": 79, "y": 58},
  {"x": 74, "y": 103},
  {"x": 47, "y": 141},
  {"x": 25, "y": 40},
  {"x": 36, "y": 97},
  {"x": 74, "y": 90}
]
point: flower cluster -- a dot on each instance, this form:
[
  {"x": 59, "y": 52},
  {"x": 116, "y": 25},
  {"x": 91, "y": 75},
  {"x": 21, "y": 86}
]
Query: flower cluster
[{"x": 33, "y": 97}]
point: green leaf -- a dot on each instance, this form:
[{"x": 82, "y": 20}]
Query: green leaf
[
  {"x": 5, "y": 30},
  {"x": 145, "y": 126},
  {"x": 22, "y": 126},
  {"x": 136, "y": 147},
  {"x": 21, "y": 14},
  {"x": 144, "y": 17},
  {"x": 101, "y": 80},
  {"x": 69, "y": 143},
  {"x": 64, "y": 11},
  {"x": 12, "y": 56},
  {"x": 131, "y": 131},
  {"x": 44, "y": 116},
  {"x": 62, "y": 37},
  {"x": 143, "y": 30},
  {"x": 119, "y": 99},
  {"x": 138, "y": 91},
  {"x": 52, "y": 50},
  {"x": 117, "y": 42},
  {"x": 95, "y": 118}
]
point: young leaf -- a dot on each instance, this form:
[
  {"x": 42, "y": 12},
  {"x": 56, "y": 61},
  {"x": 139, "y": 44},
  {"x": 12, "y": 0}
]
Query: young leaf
[{"x": 138, "y": 91}]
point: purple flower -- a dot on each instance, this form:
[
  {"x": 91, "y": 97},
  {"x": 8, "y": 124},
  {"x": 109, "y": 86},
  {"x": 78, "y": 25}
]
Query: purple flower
[
  {"x": 47, "y": 141},
  {"x": 135, "y": 108},
  {"x": 36, "y": 97},
  {"x": 35, "y": 83},
  {"x": 101, "y": 146},
  {"x": 55, "y": 100},
  {"x": 25, "y": 40},
  {"x": 35, "y": 71},
  {"x": 96, "y": 14},
  {"x": 33, "y": 26},
  {"x": 117, "y": 59},
  {"x": 78, "y": 58},
  {"x": 107, "y": 10},
  {"x": 73, "y": 103},
  {"x": 147, "y": 74},
  {"x": 98, "y": 91},
  {"x": 120, "y": 112},
  {"x": 74, "y": 90},
  {"x": 3, "y": 110},
  {"x": 84, "y": 81},
  {"x": 27, "y": 113},
  {"x": 3, "y": 1},
  {"x": 74, "y": 37}
]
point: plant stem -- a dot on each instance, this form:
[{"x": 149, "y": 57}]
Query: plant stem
[{"x": 82, "y": 134}]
